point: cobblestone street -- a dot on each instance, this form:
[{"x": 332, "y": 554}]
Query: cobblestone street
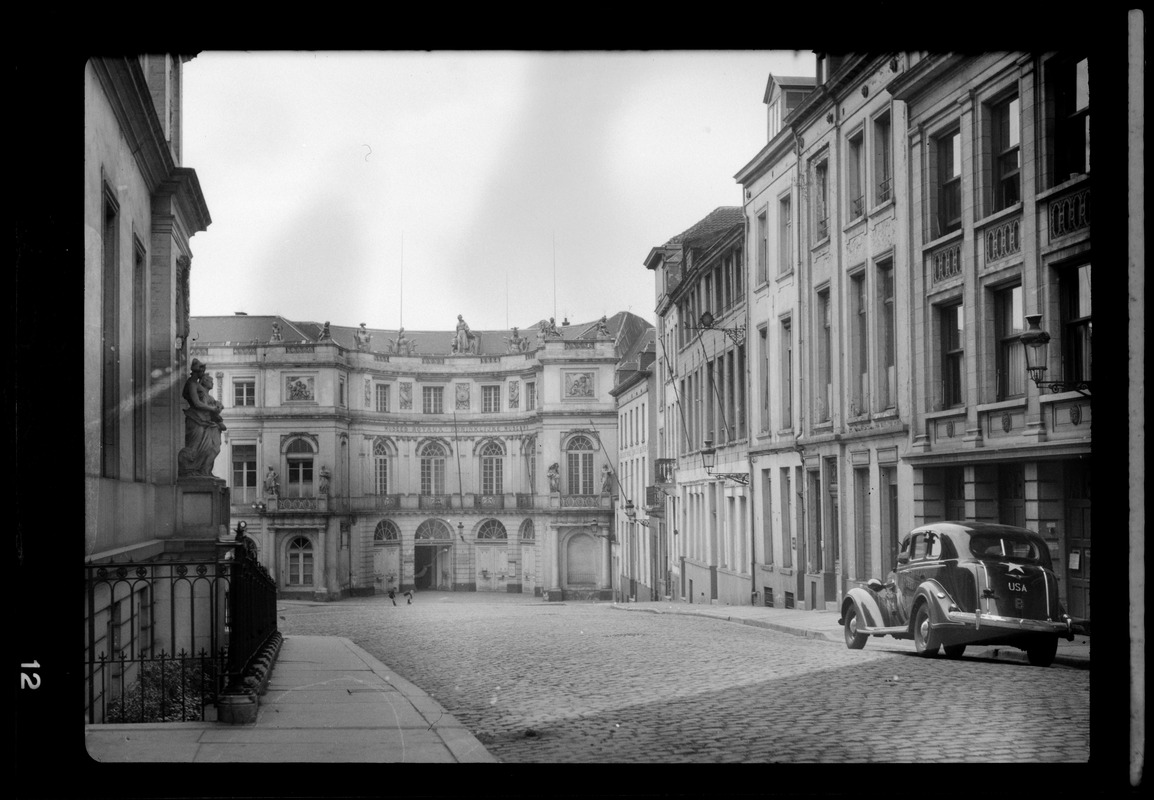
[{"x": 576, "y": 682}]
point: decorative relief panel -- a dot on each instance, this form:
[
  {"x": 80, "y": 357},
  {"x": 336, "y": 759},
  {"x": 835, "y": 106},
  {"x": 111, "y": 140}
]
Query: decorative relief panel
[
  {"x": 1003, "y": 240},
  {"x": 946, "y": 263},
  {"x": 514, "y": 394},
  {"x": 462, "y": 397},
  {"x": 579, "y": 384},
  {"x": 406, "y": 396},
  {"x": 1070, "y": 214},
  {"x": 300, "y": 387},
  {"x": 368, "y": 393}
]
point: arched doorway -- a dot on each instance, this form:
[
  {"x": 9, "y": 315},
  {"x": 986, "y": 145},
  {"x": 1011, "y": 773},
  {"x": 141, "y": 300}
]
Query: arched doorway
[{"x": 433, "y": 556}]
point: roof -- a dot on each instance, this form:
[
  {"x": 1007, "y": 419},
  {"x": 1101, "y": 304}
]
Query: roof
[
  {"x": 624, "y": 327},
  {"x": 971, "y": 527},
  {"x": 787, "y": 82},
  {"x": 701, "y": 234}
]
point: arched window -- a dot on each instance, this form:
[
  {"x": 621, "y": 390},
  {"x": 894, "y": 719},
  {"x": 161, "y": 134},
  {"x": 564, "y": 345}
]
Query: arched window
[
  {"x": 579, "y": 459},
  {"x": 492, "y": 468},
  {"x": 528, "y": 533},
  {"x": 434, "y": 529},
  {"x": 299, "y": 463},
  {"x": 492, "y": 529},
  {"x": 433, "y": 468},
  {"x": 300, "y": 562},
  {"x": 380, "y": 466},
  {"x": 386, "y": 532}
]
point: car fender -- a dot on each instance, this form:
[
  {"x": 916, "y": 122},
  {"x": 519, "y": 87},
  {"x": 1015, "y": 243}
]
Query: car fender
[
  {"x": 937, "y": 599},
  {"x": 872, "y": 612}
]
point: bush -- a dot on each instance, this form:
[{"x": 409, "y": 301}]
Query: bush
[{"x": 172, "y": 690}]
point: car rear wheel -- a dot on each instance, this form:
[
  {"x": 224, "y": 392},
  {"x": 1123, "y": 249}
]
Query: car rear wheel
[
  {"x": 853, "y": 639},
  {"x": 954, "y": 650},
  {"x": 925, "y": 640},
  {"x": 1041, "y": 654}
]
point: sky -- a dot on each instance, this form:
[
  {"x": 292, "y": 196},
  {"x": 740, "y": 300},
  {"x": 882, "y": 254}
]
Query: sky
[{"x": 407, "y": 188}]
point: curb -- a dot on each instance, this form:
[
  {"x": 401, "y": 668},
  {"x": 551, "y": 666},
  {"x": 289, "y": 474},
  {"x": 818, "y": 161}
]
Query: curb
[{"x": 996, "y": 654}]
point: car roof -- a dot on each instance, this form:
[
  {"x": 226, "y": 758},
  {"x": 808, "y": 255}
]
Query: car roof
[{"x": 972, "y": 527}]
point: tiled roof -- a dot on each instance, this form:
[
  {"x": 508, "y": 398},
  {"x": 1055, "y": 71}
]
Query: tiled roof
[
  {"x": 623, "y": 326},
  {"x": 718, "y": 221}
]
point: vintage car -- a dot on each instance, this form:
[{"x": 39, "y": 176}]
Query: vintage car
[{"x": 963, "y": 583}]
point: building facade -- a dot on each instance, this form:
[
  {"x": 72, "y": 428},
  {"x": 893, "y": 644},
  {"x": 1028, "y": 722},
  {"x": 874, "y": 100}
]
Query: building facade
[
  {"x": 641, "y": 530},
  {"x": 141, "y": 208},
  {"x": 999, "y": 183},
  {"x": 366, "y": 461},
  {"x": 701, "y": 325},
  {"x": 912, "y": 221}
]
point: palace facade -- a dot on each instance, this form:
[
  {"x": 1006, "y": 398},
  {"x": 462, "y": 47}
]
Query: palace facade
[{"x": 365, "y": 461}]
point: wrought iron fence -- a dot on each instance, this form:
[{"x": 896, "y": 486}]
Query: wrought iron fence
[
  {"x": 251, "y": 609},
  {"x": 164, "y": 637}
]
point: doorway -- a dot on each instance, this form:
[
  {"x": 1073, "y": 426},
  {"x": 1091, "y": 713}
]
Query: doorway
[
  {"x": 1078, "y": 539},
  {"x": 425, "y": 566}
]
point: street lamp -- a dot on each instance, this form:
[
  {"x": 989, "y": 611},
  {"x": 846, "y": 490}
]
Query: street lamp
[
  {"x": 631, "y": 512},
  {"x": 707, "y": 320},
  {"x": 1036, "y": 344},
  {"x": 709, "y": 458}
]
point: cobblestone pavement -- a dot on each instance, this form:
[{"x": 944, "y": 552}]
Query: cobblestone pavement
[{"x": 580, "y": 682}]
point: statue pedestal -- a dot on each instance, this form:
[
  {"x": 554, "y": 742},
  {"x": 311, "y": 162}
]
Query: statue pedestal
[{"x": 202, "y": 508}]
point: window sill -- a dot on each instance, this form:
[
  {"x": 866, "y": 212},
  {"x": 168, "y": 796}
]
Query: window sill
[
  {"x": 819, "y": 244},
  {"x": 784, "y": 276},
  {"x": 997, "y": 216},
  {"x": 1058, "y": 188},
  {"x": 949, "y": 238},
  {"x": 856, "y": 222},
  {"x": 1013, "y": 402},
  {"x": 882, "y": 206},
  {"x": 1050, "y": 397},
  {"x": 956, "y": 411}
]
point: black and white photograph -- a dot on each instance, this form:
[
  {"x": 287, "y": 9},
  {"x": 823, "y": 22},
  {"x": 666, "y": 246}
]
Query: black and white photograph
[{"x": 641, "y": 407}]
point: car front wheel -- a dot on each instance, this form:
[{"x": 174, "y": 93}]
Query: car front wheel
[
  {"x": 853, "y": 639},
  {"x": 1042, "y": 653},
  {"x": 925, "y": 640}
]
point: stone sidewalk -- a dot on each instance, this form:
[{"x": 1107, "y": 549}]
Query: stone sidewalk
[{"x": 327, "y": 701}]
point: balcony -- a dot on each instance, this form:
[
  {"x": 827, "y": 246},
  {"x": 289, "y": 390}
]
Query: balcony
[
  {"x": 665, "y": 470},
  {"x": 435, "y": 501},
  {"x": 488, "y": 501}
]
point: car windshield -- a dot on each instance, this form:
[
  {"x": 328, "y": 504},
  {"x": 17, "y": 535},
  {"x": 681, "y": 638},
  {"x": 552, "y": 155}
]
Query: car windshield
[{"x": 1018, "y": 548}]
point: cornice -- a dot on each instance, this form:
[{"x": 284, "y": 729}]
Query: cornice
[{"x": 127, "y": 91}]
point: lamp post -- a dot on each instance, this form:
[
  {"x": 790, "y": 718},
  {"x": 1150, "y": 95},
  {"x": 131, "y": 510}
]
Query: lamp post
[
  {"x": 1036, "y": 344},
  {"x": 709, "y": 458}
]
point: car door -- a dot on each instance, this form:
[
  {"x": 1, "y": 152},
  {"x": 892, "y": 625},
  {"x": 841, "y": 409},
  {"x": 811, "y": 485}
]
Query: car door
[{"x": 904, "y": 583}]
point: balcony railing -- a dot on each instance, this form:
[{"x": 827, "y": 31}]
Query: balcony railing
[
  {"x": 435, "y": 501},
  {"x": 488, "y": 501},
  {"x": 524, "y": 501}
]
